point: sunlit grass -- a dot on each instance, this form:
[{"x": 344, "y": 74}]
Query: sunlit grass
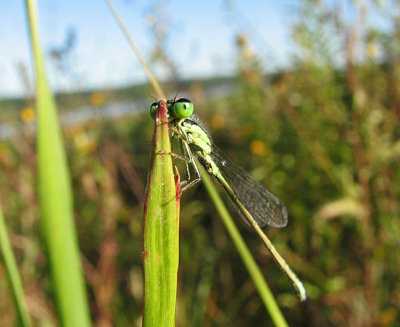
[
  {"x": 13, "y": 276},
  {"x": 55, "y": 198}
]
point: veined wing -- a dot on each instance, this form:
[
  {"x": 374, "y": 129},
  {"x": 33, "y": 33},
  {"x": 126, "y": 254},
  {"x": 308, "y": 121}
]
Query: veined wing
[{"x": 265, "y": 207}]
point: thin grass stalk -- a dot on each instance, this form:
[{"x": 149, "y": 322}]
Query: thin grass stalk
[
  {"x": 248, "y": 260},
  {"x": 55, "y": 198},
  {"x": 135, "y": 49},
  {"x": 13, "y": 276},
  {"x": 160, "y": 230}
]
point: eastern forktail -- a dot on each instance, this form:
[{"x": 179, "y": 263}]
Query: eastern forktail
[{"x": 255, "y": 204}]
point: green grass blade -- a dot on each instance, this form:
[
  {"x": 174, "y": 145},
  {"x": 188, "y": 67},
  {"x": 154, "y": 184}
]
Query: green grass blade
[
  {"x": 160, "y": 217},
  {"x": 13, "y": 275},
  {"x": 55, "y": 198},
  {"x": 161, "y": 231},
  {"x": 248, "y": 260}
]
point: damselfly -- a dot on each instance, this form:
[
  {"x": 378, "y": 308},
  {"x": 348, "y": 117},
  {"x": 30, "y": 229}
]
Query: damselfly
[{"x": 255, "y": 204}]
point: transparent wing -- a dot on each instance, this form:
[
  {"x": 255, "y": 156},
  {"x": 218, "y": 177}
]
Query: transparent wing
[{"x": 265, "y": 207}]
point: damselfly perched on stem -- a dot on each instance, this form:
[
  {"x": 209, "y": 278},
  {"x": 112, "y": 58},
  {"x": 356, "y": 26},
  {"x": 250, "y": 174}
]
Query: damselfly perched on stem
[{"x": 255, "y": 204}]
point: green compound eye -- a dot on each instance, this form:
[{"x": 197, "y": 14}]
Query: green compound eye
[
  {"x": 153, "y": 109},
  {"x": 182, "y": 108}
]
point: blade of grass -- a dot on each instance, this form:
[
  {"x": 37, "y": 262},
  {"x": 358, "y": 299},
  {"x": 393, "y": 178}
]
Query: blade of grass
[
  {"x": 13, "y": 275},
  {"x": 248, "y": 260},
  {"x": 55, "y": 198},
  {"x": 160, "y": 230},
  {"x": 160, "y": 217}
]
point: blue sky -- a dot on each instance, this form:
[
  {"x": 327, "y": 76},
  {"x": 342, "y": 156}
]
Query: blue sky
[{"x": 200, "y": 39}]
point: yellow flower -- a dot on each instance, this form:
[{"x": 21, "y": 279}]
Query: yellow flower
[
  {"x": 258, "y": 148},
  {"x": 96, "y": 99},
  {"x": 27, "y": 114},
  {"x": 85, "y": 143}
]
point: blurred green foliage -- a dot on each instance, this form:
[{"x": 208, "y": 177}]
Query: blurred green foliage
[{"x": 324, "y": 137}]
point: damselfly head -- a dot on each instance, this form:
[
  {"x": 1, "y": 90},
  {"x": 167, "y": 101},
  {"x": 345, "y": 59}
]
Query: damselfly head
[{"x": 181, "y": 108}]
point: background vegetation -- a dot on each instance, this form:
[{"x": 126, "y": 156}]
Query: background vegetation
[{"x": 323, "y": 136}]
